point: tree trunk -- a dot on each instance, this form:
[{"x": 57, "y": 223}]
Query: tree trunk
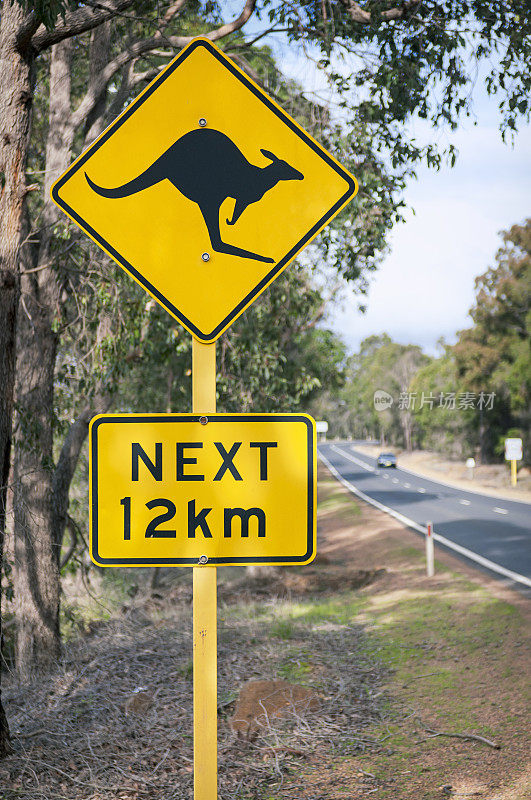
[
  {"x": 66, "y": 466},
  {"x": 482, "y": 437},
  {"x": 407, "y": 429},
  {"x": 100, "y": 48},
  {"x": 16, "y": 89},
  {"x": 36, "y": 574}
]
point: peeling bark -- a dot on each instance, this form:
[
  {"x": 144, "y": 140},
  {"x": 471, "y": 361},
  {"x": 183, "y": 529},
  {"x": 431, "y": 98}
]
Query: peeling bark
[
  {"x": 36, "y": 572},
  {"x": 16, "y": 89}
]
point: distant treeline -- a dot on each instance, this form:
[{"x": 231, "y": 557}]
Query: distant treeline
[{"x": 466, "y": 401}]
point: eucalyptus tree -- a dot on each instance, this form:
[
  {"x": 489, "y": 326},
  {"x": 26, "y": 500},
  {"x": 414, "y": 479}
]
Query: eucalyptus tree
[
  {"x": 62, "y": 304},
  {"x": 22, "y": 37},
  {"x": 493, "y": 356},
  {"x": 416, "y": 57},
  {"x": 27, "y": 33}
]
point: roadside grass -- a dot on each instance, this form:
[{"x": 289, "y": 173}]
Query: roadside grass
[
  {"x": 410, "y": 655},
  {"x": 89, "y": 601},
  {"x": 458, "y": 664}
]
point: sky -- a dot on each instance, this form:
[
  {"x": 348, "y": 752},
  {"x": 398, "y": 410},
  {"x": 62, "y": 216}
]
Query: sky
[{"x": 424, "y": 288}]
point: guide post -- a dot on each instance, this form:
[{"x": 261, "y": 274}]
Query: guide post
[
  {"x": 204, "y": 610},
  {"x": 430, "y": 556},
  {"x": 513, "y": 453}
]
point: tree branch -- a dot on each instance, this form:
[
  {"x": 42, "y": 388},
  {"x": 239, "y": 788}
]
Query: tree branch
[
  {"x": 472, "y": 736},
  {"x": 67, "y": 462},
  {"x": 79, "y": 21},
  {"x": 65, "y": 558},
  {"x": 172, "y": 11},
  {"x": 235, "y": 25},
  {"x": 357, "y": 13},
  {"x": 28, "y": 27},
  {"x": 179, "y": 42},
  {"x": 143, "y": 46}
]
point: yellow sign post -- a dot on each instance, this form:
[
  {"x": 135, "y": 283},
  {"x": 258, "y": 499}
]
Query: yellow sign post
[
  {"x": 204, "y": 189},
  {"x": 232, "y": 488},
  {"x": 204, "y": 602}
]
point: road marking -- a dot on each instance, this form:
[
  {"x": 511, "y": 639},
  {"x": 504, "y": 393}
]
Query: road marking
[
  {"x": 465, "y": 502},
  {"x": 484, "y": 562},
  {"x": 395, "y": 480},
  {"x": 421, "y": 490},
  {"x": 407, "y": 485},
  {"x": 470, "y": 490},
  {"x": 386, "y": 477},
  {"x": 500, "y": 510},
  {"x": 353, "y": 458}
]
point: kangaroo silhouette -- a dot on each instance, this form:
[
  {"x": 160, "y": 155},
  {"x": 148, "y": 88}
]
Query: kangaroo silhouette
[{"x": 207, "y": 168}]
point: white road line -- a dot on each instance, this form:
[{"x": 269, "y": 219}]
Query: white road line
[
  {"x": 485, "y": 562},
  {"x": 395, "y": 480},
  {"x": 386, "y": 477},
  {"x": 421, "y": 490},
  {"x": 407, "y": 485},
  {"x": 500, "y": 510},
  {"x": 470, "y": 490},
  {"x": 465, "y": 502},
  {"x": 353, "y": 458}
]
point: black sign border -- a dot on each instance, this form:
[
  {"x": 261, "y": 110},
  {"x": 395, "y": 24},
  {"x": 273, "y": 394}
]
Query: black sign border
[
  {"x": 167, "y": 304},
  {"x": 213, "y": 418}
]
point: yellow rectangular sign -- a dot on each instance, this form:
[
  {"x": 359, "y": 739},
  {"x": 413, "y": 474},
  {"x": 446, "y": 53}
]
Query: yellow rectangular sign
[{"x": 185, "y": 489}]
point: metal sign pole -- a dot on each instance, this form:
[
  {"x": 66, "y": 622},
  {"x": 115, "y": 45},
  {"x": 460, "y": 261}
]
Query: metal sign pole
[{"x": 205, "y": 610}]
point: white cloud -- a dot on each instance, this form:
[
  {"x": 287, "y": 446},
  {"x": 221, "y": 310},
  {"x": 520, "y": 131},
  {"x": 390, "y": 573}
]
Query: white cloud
[{"x": 425, "y": 287}]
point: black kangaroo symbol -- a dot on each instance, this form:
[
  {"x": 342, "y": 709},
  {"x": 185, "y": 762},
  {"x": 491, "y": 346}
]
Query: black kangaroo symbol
[{"x": 207, "y": 168}]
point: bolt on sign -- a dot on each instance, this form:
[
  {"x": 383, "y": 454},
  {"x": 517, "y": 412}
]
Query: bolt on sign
[
  {"x": 204, "y": 189},
  {"x": 178, "y": 490}
]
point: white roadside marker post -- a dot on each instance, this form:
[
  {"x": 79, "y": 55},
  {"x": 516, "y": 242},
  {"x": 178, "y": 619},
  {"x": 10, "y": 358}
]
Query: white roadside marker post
[{"x": 430, "y": 561}]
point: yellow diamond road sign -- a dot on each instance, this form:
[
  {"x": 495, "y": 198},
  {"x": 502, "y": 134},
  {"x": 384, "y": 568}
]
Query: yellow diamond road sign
[
  {"x": 174, "y": 489},
  {"x": 204, "y": 189}
]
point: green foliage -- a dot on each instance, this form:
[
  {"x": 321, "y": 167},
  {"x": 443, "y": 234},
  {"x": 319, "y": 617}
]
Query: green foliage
[
  {"x": 420, "y": 63},
  {"x": 490, "y": 358},
  {"x": 495, "y": 352},
  {"x": 273, "y": 358},
  {"x": 443, "y": 427},
  {"x": 381, "y": 364},
  {"x": 283, "y": 629}
]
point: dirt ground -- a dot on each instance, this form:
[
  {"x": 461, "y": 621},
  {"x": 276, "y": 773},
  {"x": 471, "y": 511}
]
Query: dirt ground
[
  {"x": 395, "y": 659},
  {"x": 493, "y": 479},
  {"x": 459, "y": 648}
]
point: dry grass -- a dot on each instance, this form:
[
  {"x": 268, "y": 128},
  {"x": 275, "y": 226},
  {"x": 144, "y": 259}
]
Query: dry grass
[
  {"x": 389, "y": 653},
  {"x": 74, "y": 737}
]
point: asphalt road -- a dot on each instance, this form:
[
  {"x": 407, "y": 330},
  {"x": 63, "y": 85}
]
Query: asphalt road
[{"x": 497, "y": 532}]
